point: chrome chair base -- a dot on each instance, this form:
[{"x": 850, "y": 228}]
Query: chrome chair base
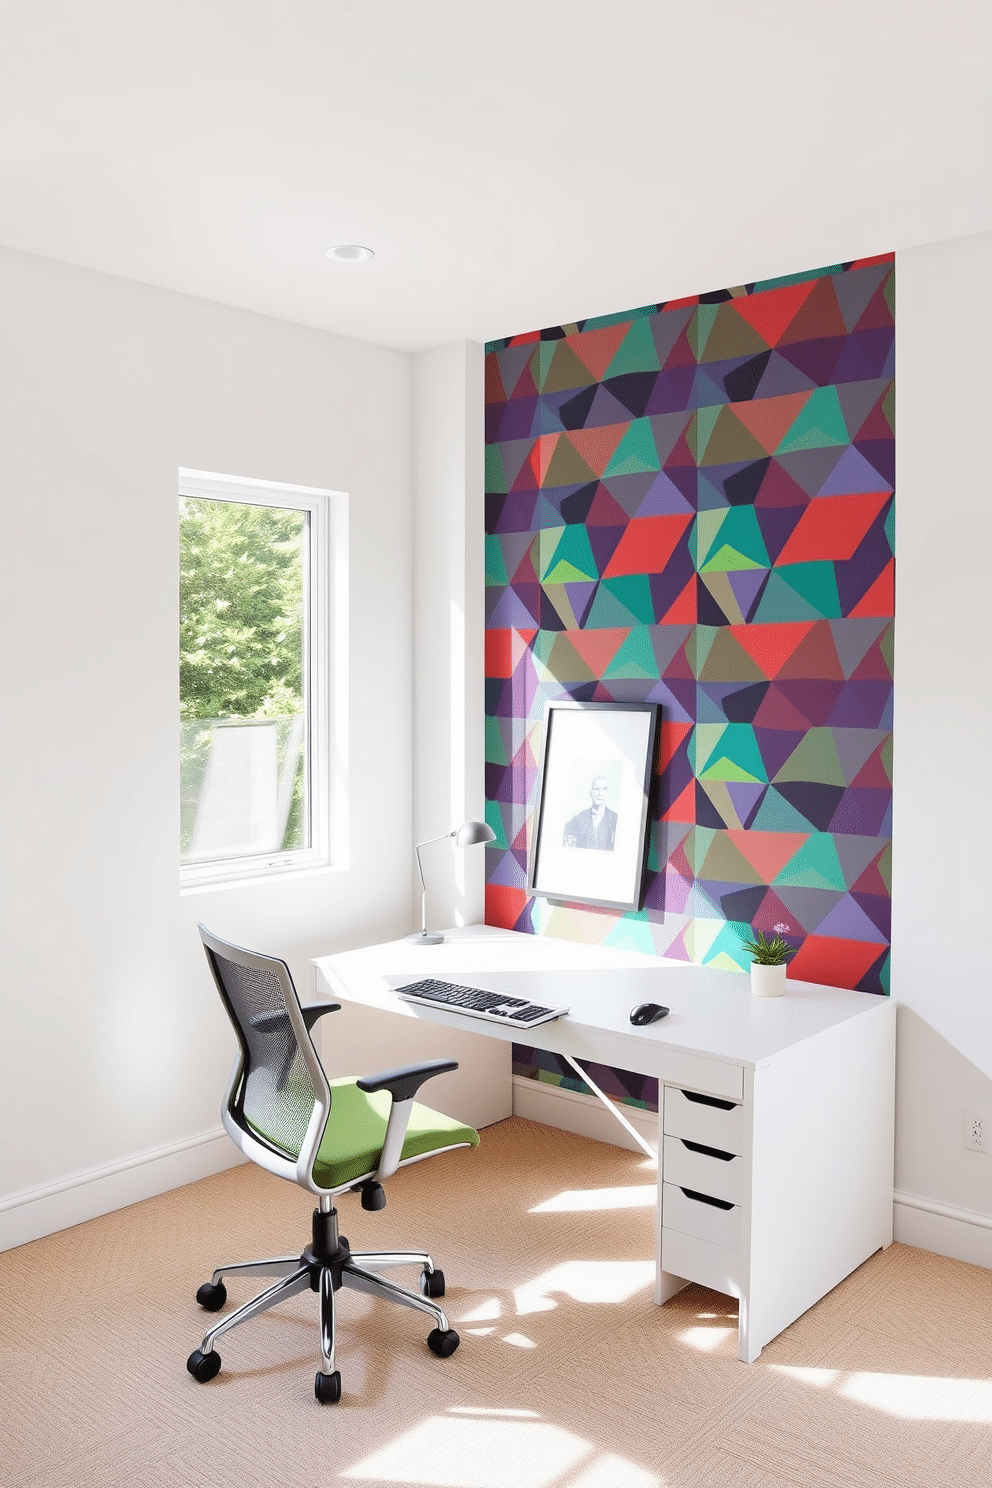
[{"x": 324, "y": 1267}]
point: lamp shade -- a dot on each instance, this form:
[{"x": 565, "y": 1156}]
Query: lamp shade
[{"x": 472, "y": 832}]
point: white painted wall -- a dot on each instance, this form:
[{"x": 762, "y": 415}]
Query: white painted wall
[
  {"x": 448, "y": 721},
  {"x": 942, "y": 787},
  {"x": 449, "y": 625},
  {"x": 114, "y": 1048}
]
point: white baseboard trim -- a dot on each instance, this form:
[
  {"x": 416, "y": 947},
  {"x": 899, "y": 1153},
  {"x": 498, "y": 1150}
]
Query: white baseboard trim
[
  {"x": 585, "y": 1115},
  {"x": 961, "y": 1234},
  {"x": 69, "y": 1201}
]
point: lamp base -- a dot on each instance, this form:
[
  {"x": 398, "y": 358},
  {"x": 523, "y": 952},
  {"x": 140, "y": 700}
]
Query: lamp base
[{"x": 425, "y": 937}]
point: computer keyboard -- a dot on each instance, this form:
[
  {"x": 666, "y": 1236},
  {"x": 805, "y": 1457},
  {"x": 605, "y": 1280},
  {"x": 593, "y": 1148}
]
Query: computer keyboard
[{"x": 495, "y": 1007}]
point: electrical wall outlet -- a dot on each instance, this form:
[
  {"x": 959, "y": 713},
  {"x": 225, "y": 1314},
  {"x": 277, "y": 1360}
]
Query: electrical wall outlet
[{"x": 977, "y": 1131}]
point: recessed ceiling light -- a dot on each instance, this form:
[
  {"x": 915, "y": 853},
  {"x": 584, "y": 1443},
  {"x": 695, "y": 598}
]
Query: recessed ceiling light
[{"x": 349, "y": 252}]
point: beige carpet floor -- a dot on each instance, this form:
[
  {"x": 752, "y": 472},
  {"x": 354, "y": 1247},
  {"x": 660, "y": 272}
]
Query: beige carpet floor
[{"x": 568, "y": 1376}]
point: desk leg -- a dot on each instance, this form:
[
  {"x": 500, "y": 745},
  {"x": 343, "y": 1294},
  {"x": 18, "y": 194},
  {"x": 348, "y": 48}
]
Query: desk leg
[
  {"x": 747, "y": 1350},
  {"x": 665, "y": 1283}
]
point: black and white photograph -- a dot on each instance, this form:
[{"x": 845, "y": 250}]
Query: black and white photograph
[
  {"x": 595, "y": 826},
  {"x": 590, "y": 833}
]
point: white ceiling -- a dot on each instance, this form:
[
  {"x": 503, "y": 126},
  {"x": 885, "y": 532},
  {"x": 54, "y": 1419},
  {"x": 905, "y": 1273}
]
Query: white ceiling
[{"x": 514, "y": 165}]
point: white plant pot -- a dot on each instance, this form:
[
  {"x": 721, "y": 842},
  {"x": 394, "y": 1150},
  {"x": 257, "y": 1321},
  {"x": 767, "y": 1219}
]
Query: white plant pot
[{"x": 767, "y": 981}]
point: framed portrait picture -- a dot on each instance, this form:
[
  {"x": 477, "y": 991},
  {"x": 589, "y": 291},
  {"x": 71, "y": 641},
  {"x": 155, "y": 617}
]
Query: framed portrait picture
[{"x": 589, "y": 843}]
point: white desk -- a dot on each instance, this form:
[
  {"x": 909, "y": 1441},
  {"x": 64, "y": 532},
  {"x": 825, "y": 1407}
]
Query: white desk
[{"x": 806, "y": 1082}]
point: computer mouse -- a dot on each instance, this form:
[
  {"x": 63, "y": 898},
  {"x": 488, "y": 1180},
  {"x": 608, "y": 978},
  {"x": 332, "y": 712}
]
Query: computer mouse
[{"x": 647, "y": 1012}]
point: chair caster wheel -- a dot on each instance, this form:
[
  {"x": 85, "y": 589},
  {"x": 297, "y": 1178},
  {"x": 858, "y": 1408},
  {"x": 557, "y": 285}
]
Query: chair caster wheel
[
  {"x": 327, "y": 1387},
  {"x": 443, "y": 1343},
  {"x": 203, "y": 1367},
  {"x": 432, "y": 1283},
  {"x": 211, "y": 1296}
]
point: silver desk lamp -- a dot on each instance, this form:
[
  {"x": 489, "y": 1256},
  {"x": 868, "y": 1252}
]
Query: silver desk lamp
[{"x": 467, "y": 835}]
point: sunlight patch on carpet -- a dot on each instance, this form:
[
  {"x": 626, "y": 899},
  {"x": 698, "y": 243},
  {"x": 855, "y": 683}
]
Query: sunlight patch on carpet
[
  {"x": 586, "y": 1200},
  {"x": 585, "y": 1281},
  {"x": 909, "y": 1397},
  {"x": 489, "y": 1449}
]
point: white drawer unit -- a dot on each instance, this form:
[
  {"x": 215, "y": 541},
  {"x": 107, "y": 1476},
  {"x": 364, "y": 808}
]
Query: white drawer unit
[
  {"x": 701, "y": 1215},
  {"x": 706, "y": 1119},
  {"x": 708, "y": 1265},
  {"x": 705, "y": 1169},
  {"x": 702, "y": 1192}
]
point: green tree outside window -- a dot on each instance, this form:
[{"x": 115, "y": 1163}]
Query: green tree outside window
[{"x": 241, "y": 635}]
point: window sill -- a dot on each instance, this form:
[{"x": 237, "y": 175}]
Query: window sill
[{"x": 239, "y": 878}]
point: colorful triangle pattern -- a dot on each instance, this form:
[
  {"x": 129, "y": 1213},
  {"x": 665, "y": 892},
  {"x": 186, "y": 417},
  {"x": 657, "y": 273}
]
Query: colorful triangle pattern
[{"x": 692, "y": 503}]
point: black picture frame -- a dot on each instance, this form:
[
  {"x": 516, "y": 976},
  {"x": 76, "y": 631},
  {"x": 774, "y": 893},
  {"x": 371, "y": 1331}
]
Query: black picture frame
[{"x": 590, "y": 836}]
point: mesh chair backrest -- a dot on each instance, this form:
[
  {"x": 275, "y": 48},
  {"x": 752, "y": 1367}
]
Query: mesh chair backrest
[{"x": 275, "y": 1099}]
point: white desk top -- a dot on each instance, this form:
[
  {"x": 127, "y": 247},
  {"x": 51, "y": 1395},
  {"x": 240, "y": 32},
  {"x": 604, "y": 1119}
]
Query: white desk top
[{"x": 713, "y": 1013}]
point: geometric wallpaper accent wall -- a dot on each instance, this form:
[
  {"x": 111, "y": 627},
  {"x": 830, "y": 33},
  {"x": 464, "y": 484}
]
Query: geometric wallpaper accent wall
[{"x": 691, "y": 503}]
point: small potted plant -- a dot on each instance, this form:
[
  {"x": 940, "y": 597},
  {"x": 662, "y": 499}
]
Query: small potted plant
[{"x": 768, "y": 957}]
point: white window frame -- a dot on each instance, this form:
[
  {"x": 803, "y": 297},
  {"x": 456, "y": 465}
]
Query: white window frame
[{"x": 325, "y": 677}]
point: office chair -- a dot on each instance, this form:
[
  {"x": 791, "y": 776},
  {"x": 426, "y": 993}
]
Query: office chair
[{"x": 330, "y": 1137}]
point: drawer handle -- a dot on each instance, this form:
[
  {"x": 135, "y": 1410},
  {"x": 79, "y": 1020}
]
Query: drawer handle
[
  {"x": 708, "y": 1151},
  {"x": 707, "y": 1199},
  {"x": 709, "y": 1100}
]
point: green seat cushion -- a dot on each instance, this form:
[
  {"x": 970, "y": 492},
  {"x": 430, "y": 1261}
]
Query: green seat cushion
[{"x": 352, "y": 1141}]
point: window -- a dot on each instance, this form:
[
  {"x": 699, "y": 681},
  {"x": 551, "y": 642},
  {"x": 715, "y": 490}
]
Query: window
[{"x": 256, "y": 653}]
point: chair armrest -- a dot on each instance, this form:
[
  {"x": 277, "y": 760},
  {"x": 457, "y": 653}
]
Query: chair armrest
[
  {"x": 269, "y": 1022},
  {"x": 314, "y": 1010},
  {"x": 404, "y": 1082}
]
